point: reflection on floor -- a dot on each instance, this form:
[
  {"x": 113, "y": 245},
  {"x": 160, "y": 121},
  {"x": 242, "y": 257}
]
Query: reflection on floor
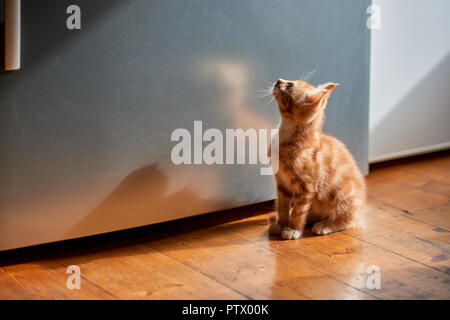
[{"x": 228, "y": 255}]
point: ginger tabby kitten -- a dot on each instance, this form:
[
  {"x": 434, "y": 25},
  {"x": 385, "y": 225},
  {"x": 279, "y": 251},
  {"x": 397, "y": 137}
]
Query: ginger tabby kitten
[{"x": 318, "y": 180}]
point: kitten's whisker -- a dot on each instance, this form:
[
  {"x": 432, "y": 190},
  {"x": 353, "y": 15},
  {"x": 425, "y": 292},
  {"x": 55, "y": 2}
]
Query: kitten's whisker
[
  {"x": 302, "y": 76},
  {"x": 269, "y": 87},
  {"x": 267, "y": 104},
  {"x": 265, "y": 93},
  {"x": 311, "y": 73},
  {"x": 262, "y": 97},
  {"x": 306, "y": 76}
]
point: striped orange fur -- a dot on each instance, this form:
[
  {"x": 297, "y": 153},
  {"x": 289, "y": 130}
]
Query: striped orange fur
[{"x": 318, "y": 180}]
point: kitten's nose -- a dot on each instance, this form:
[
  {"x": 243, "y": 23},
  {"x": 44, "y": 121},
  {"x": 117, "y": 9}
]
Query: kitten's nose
[{"x": 279, "y": 82}]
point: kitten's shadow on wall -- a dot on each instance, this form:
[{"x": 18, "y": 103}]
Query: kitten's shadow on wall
[{"x": 140, "y": 198}]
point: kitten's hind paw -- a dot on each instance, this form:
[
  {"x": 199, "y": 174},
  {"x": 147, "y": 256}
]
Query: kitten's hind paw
[
  {"x": 290, "y": 234},
  {"x": 321, "y": 228},
  {"x": 275, "y": 229}
]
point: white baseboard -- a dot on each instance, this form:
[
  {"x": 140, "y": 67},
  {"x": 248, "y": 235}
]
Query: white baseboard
[{"x": 410, "y": 152}]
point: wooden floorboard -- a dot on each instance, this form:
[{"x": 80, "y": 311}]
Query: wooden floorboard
[
  {"x": 229, "y": 255},
  {"x": 139, "y": 272},
  {"x": 252, "y": 268},
  {"x": 389, "y": 228},
  {"x": 346, "y": 258},
  {"x": 45, "y": 279}
]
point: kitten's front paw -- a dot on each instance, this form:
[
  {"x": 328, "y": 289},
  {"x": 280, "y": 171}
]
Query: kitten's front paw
[
  {"x": 319, "y": 229},
  {"x": 290, "y": 234},
  {"x": 275, "y": 229}
]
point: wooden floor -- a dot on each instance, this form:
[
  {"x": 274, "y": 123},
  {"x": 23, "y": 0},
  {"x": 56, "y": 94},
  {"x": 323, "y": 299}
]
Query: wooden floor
[{"x": 228, "y": 255}]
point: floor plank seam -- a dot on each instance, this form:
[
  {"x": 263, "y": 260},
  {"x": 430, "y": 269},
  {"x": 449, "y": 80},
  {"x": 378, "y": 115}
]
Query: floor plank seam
[
  {"x": 398, "y": 254},
  {"x": 410, "y": 215},
  {"x": 198, "y": 271},
  {"x": 308, "y": 267},
  {"x": 436, "y": 206},
  {"x": 88, "y": 280}
]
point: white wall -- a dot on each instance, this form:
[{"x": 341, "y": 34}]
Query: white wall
[{"x": 410, "y": 73}]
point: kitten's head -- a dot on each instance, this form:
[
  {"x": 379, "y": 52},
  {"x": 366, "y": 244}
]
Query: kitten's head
[{"x": 300, "y": 101}]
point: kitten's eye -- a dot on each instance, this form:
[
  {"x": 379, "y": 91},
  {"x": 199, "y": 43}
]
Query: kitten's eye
[{"x": 289, "y": 87}]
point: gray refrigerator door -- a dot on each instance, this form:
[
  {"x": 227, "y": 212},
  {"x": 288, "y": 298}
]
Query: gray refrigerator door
[{"x": 86, "y": 123}]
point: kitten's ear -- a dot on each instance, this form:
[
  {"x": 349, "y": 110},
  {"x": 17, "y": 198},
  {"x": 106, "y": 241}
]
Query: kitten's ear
[
  {"x": 329, "y": 87},
  {"x": 316, "y": 97},
  {"x": 323, "y": 92}
]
